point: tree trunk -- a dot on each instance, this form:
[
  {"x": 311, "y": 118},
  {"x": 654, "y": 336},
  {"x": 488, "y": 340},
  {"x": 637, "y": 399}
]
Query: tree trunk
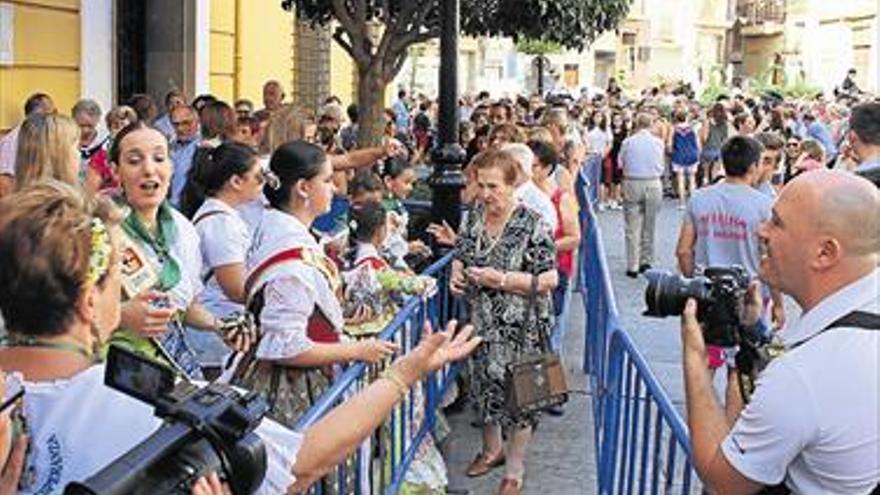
[{"x": 371, "y": 105}]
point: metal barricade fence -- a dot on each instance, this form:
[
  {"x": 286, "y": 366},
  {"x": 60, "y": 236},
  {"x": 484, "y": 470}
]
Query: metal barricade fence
[
  {"x": 642, "y": 443},
  {"x": 380, "y": 464}
]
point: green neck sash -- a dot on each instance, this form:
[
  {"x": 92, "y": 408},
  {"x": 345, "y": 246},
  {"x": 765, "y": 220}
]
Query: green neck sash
[{"x": 169, "y": 274}]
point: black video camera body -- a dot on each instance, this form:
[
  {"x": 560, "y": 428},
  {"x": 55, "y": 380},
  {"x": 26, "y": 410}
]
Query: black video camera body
[
  {"x": 720, "y": 295},
  {"x": 206, "y": 429}
]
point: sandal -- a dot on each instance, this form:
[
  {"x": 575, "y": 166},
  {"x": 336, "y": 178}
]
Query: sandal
[{"x": 482, "y": 464}]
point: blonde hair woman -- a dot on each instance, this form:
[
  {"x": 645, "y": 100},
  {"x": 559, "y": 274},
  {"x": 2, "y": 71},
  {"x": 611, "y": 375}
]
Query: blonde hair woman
[{"x": 48, "y": 148}]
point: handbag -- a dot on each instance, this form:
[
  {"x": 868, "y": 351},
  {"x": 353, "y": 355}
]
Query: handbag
[{"x": 535, "y": 381}]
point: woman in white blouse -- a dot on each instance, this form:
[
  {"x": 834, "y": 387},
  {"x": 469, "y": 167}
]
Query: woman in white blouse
[
  {"x": 221, "y": 180},
  {"x": 156, "y": 235},
  {"x": 293, "y": 289}
]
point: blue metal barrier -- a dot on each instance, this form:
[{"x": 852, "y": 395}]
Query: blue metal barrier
[
  {"x": 380, "y": 465},
  {"x": 642, "y": 443}
]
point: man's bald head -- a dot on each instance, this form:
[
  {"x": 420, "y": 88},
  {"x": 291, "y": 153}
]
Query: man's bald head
[
  {"x": 273, "y": 95},
  {"x": 841, "y": 205}
]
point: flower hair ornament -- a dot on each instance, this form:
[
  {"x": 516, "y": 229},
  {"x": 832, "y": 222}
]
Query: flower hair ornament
[
  {"x": 272, "y": 180},
  {"x": 100, "y": 251}
]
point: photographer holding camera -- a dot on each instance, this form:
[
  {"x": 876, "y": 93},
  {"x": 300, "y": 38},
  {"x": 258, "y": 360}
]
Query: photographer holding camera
[
  {"x": 811, "y": 425},
  {"x": 720, "y": 223},
  {"x": 60, "y": 297}
]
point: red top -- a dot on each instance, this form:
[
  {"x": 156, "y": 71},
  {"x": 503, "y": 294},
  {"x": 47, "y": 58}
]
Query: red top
[
  {"x": 374, "y": 262},
  {"x": 564, "y": 259}
]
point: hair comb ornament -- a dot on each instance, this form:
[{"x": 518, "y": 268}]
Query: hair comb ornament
[{"x": 272, "y": 180}]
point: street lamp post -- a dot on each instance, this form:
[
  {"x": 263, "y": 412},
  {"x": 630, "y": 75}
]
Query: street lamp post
[{"x": 447, "y": 179}]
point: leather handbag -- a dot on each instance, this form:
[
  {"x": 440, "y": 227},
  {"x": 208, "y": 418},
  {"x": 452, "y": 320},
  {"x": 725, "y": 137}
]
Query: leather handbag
[{"x": 535, "y": 381}]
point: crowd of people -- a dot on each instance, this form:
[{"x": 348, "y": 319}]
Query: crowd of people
[{"x": 266, "y": 249}]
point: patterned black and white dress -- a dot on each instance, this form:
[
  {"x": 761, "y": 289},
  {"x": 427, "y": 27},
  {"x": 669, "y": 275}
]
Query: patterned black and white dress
[{"x": 503, "y": 318}]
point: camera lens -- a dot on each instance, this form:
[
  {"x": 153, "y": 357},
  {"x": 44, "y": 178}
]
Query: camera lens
[{"x": 667, "y": 293}]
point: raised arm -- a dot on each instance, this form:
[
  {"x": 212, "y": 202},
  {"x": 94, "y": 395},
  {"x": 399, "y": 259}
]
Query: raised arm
[{"x": 339, "y": 433}]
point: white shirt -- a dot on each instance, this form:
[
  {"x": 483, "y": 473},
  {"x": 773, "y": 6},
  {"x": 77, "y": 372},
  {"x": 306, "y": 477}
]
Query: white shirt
[
  {"x": 813, "y": 419},
  {"x": 535, "y": 199},
  {"x": 599, "y": 140},
  {"x": 225, "y": 240},
  {"x": 78, "y": 426},
  {"x": 292, "y": 290},
  {"x": 8, "y": 149}
]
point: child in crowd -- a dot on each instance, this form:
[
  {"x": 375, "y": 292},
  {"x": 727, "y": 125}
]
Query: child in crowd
[
  {"x": 365, "y": 186},
  {"x": 370, "y": 281},
  {"x": 398, "y": 177},
  {"x": 685, "y": 151}
]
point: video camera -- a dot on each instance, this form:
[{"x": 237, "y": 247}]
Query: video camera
[{"x": 206, "y": 429}]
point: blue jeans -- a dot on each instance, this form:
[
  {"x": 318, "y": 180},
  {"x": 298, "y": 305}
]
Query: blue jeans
[{"x": 561, "y": 299}]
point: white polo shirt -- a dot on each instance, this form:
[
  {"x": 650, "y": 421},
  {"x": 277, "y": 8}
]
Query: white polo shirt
[{"x": 814, "y": 419}]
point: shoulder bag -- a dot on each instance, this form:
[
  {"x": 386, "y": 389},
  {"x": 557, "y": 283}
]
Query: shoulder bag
[{"x": 535, "y": 381}]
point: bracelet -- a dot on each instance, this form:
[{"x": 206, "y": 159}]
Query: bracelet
[
  {"x": 394, "y": 377},
  {"x": 503, "y": 281}
]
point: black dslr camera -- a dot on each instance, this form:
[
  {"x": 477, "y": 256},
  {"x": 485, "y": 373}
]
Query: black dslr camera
[
  {"x": 206, "y": 429},
  {"x": 719, "y": 292}
]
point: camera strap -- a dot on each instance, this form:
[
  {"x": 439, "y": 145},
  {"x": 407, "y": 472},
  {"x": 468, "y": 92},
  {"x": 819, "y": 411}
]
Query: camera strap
[{"x": 855, "y": 319}]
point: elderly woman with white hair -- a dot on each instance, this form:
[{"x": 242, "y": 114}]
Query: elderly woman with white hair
[{"x": 526, "y": 192}]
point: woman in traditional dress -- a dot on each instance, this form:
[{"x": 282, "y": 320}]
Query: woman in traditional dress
[{"x": 293, "y": 289}]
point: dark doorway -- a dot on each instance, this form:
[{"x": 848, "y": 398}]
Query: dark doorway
[{"x": 131, "y": 43}]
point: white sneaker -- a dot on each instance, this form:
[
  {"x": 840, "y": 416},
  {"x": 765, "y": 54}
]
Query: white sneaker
[
  {"x": 616, "y": 206},
  {"x": 602, "y": 207}
]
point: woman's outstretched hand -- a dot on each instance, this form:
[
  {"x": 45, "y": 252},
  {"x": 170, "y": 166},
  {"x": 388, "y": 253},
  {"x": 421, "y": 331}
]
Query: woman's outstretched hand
[{"x": 438, "y": 349}]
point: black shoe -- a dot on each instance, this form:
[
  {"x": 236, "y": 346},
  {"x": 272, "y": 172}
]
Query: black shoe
[
  {"x": 555, "y": 411},
  {"x": 632, "y": 274},
  {"x": 644, "y": 267}
]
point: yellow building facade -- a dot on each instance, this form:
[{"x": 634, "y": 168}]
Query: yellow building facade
[
  {"x": 84, "y": 48},
  {"x": 39, "y": 51}
]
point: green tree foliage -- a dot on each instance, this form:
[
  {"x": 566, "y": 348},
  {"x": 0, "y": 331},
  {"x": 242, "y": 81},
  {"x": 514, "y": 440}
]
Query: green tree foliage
[
  {"x": 537, "y": 47},
  {"x": 378, "y": 33}
]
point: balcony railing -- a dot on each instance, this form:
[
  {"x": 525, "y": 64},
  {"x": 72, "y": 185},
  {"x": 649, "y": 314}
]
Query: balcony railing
[{"x": 754, "y": 12}]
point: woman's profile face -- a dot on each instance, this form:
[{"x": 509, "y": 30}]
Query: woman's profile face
[
  {"x": 402, "y": 185},
  {"x": 144, "y": 168},
  {"x": 252, "y": 181},
  {"x": 321, "y": 189}
]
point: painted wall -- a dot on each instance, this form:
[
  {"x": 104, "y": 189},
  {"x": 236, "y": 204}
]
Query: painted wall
[
  {"x": 266, "y": 48},
  {"x": 265, "y": 42},
  {"x": 343, "y": 75},
  {"x": 39, "y": 52}
]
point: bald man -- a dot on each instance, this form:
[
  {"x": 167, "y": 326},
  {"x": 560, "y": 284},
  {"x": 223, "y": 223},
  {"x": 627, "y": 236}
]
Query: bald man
[
  {"x": 812, "y": 424},
  {"x": 273, "y": 96}
]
